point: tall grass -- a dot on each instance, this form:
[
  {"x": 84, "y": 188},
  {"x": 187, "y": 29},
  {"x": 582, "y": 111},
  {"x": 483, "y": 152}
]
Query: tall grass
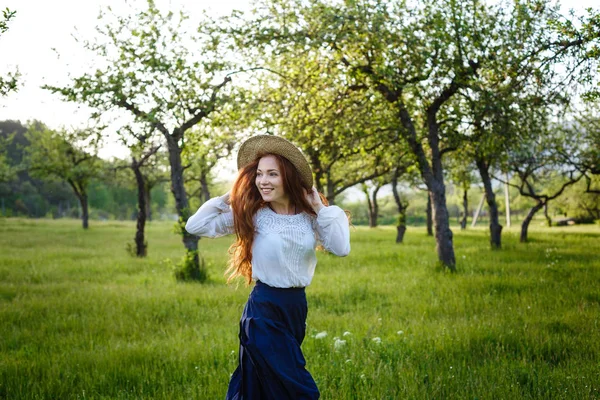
[{"x": 80, "y": 318}]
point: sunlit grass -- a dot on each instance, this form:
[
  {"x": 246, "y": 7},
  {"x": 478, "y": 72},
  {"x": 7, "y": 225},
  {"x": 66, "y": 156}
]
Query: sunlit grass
[{"x": 80, "y": 318}]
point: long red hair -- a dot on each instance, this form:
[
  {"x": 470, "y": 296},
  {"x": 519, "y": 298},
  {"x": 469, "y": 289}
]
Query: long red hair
[{"x": 245, "y": 203}]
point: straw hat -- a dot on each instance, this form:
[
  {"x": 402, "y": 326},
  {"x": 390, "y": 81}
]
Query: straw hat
[{"x": 269, "y": 144}]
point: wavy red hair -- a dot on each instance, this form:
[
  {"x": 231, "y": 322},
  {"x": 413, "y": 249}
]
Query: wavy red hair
[{"x": 245, "y": 203}]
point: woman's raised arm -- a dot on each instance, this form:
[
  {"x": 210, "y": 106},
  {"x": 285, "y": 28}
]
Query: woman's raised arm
[{"x": 213, "y": 219}]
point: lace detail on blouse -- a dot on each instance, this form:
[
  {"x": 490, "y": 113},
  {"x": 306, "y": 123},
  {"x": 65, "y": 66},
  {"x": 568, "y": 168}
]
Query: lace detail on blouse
[{"x": 268, "y": 221}]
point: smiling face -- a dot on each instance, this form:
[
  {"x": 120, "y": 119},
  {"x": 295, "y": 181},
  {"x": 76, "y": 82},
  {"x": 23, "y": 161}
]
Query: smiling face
[{"x": 269, "y": 181}]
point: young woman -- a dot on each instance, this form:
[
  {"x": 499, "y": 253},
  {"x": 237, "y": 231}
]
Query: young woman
[{"x": 278, "y": 218}]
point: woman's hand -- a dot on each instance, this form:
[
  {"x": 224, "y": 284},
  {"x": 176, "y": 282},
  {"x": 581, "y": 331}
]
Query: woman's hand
[{"x": 314, "y": 200}]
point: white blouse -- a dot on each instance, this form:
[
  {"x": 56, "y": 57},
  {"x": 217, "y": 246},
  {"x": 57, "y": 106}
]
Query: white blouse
[{"x": 283, "y": 251}]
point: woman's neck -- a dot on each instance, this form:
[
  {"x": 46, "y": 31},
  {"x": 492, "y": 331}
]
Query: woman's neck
[{"x": 286, "y": 208}]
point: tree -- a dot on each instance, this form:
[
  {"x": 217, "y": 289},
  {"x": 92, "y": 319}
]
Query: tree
[
  {"x": 540, "y": 172},
  {"x": 20, "y": 193},
  {"x": 162, "y": 78},
  {"x": 9, "y": 82},
  {"x": 580, "y": 204},
  {"x": 7, "y": 173},
  {"x": 67, "y": 155},
  {"x": 583, "y": 128},
  {"x": 399, "y": 52},
  {"x": 137, "y": 164},
  {"x": 460, "y": 166},
  {"x": 577, "y": 45},
  {"x": 144, "y": 147},
  {"x": 206, "y": 147},
  {"x": 401, "y": 202},
  {"x": 370, "y": 191},
  {"x": 303, "y": 96},
  {"x": 521, "y": 75}
]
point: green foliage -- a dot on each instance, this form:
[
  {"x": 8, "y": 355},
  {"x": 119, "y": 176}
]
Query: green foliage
[
  {"x": 111, "y": 194},
  {"x": 191, "y": 268},
  {"x": 579, "y": 45},
  {"x": 576, "y": 203},
  {"x": 6, "y": 172},
  {"x": 154, "y": 69},
  {"x": 345, "y": 131},
  {"x": 65, "y": 155},
  {"x": 9, "y": 82},
  {"x": 80, "y": 316},
  {"x": 207, "y": 145},
  {"x": 7, "y": 15},
  {"x": 131, "y": 248},
  {"x": 21, "y": 193},
  {"x": 541, "y": 162}
]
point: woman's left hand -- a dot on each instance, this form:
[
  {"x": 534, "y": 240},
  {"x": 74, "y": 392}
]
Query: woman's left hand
[{"x": 314, "y": 200}]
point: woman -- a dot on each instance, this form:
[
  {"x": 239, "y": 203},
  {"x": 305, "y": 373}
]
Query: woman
[{"x": 278, "y": 218}]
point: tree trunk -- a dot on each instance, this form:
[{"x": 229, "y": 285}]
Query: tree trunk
[
  {"x": 204, "y": 184},
  {"x": 441, "y": 220},
  {"x": 81, "y": 194},
  {"x": 140, "y": 242},
  {"x": 527, "y": 220},
  {"x": 429, "y": 215},
  {"x": 463, "y": 221},
  {"x": 331, "y": 190},
  {"x": 433, "y": 175},
  {"x": 373, "y": 206},
  {"x": 495, "y": 227},
  {"x": 548, "y": 219},
  {"x": 401, "y": 227},
  {"x": 365, "y": 190},
  {"x": 83, "y": 199},
  {"x": 507, "y": 200},
  {"x": 147, "y": 190},
  {"x": 183, "y": 210},
  {"x": 315, "y": 164}
]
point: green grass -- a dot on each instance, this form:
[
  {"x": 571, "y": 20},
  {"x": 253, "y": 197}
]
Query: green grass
[{"x": 80, "y": 318}]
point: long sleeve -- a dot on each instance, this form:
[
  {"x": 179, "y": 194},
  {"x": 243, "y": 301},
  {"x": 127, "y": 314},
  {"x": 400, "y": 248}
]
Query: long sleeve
[
  {"x": 213, "y": 219},
  {"x": 333, "y": 230}
]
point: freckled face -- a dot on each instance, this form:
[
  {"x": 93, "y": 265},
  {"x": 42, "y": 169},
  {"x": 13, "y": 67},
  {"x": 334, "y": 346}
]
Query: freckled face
[{"x": 269, "y": 182}]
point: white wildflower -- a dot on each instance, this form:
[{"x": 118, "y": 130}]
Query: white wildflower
[
  {"x": 400, "y": 332},
  {"x": 338, "y": 344},
  {"x": 347, "y": 333},
  {"x": 321, "y": 335},
  {"x": 348, "y": 361},
  {"x": 376, "y": 340}
]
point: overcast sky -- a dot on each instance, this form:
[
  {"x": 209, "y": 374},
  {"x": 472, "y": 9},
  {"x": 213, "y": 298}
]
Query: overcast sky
[{"x": 43, "y": 25}]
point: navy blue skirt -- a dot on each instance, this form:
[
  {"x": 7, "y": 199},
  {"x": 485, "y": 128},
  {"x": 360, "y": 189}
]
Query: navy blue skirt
[{"x": 271, "y": 364}]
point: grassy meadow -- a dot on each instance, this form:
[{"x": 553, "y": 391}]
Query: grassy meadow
[{"x": 81, "y": 319}]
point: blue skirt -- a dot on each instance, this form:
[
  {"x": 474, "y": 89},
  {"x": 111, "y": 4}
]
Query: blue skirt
[{"x": 271, "y": 364}]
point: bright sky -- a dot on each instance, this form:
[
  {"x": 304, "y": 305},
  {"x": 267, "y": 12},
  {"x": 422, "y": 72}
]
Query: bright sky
[{"x": 41, "y": 26}]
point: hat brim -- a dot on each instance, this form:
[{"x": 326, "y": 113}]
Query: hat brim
[{"x": 269, "y": 144}]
